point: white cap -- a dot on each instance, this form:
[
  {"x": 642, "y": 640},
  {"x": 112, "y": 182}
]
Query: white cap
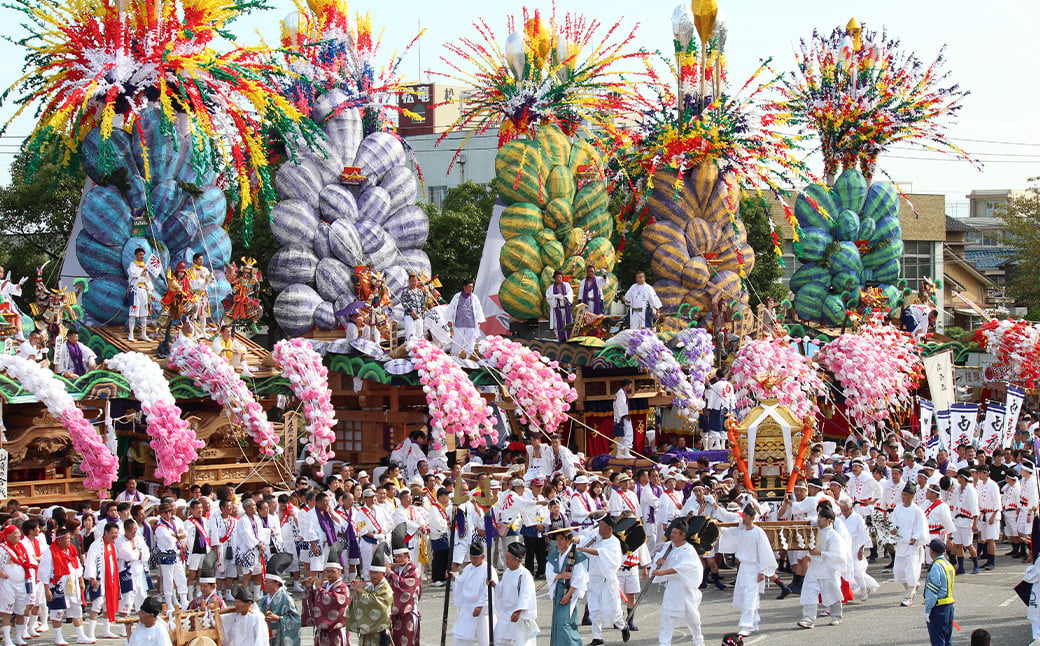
[{"x": 582, "y": 479}]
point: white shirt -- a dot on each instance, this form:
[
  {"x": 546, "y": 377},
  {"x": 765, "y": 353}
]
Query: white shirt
[
  {"x": 157, "y": 635},
  {"x": 65, "y": 360},
  {"x": 607, "y": 561},
  {"x": 515, "y": 592},
  {"x": 720, "y": 396},
  {"x": 640, "y": 297},
  {"x": 29, "y": 351},
  {"x": 249, "y": 629}
]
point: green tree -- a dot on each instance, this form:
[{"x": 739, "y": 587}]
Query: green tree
[
  {"x": 764, "y": 280},
  {"x": 36, "y": 220},
  {"x": 632, "y": 257},
  {"x": 457, "y": 232},
  {"x": 1021, "y": 216}
]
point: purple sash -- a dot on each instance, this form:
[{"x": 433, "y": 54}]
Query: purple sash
[
  {"x": 561, "y": 312},
  {"x": 591, "y": 290},
  {"x": 76, "y": 355},
  {"x": 325, "y": 520}
]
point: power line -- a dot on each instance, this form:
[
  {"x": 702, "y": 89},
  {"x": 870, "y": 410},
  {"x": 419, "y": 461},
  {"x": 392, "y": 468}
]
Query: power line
[{"x": 991, "y": 141}]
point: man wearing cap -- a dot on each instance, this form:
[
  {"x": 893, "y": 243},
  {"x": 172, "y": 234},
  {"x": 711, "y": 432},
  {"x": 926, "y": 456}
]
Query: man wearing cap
[
  {"x": 405, "y": 580},
  {"x": 280, "y": 612},
  {"x": 326, "y": 602},
  {"x": 624, "y": 499},
  {"x": 169, "y": 548},
  {"x": 669, "y": 504},
  {"x": 152, "y": 630},
  {"x": 679, "y": 568},
  {"x": 938, "y": 514},
  {"x": 507, "y": 514},
  {"x": 750, "y": 546},
  {"x": 822, "y": 585},
  {"x": 208, "y": 599},
  {"x": 471, "y": 599},
  {"x": 701, "y": 503},
  {"x": 988, "y": 524},
  {"x": 246, "y": 625},
  {"x": 369, "y": 612},
  {"x": 965, "y": 508},
  {"x": 469, "y": 522},
  {"x": 438, "y": 520},
  {"x": 579, "y": 503},
  {"x": 567, "y": 574},
  {"x": 859, "y": 539},
  {"x": 938, "y": 596},
  {"x": 516, "y": 608},
  {"x": 249, "y": 541},
  {"x": 911, "y": 531},
  {"x": 1029, "y": 499},
  {"x": 414, "y": 518},
  {"x": 604, "y": 594},
  {"x": 1010, "y": 497}
]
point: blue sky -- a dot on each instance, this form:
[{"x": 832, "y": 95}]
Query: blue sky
[{"x": 992, "y": 49}]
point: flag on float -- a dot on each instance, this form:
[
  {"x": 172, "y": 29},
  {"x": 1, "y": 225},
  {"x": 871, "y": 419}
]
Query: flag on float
[
  {"x": 1013, "y": 408},
  {"x": 926, "y": 410},
  {"x": 963, "y": 420},
  {"x": 931, "y": 448},
  {"x": 154, "y": 266},
  {"x": 993, "y": 428},
  {"x": 942, "y": 422}
]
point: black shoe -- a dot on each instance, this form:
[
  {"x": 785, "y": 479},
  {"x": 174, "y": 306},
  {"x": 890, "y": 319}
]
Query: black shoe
[
  {"x": 633, "y": 627},
  {"x": 719, "y": 584},
  {"x": 596, "y": 642},
  {"x": 796, "y": 587},
  {"x": 626, "y": 634},
  {"x": 703, "y": 585},
  {"x": 784, "y": 590}
]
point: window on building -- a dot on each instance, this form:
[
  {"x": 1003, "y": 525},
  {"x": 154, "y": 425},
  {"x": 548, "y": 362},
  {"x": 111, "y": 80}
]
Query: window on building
[
  {"x": 993, "y": 208},
  {"x": 437, "y": 195},
  {"x": 348, "y": 436},
  {"x": 918, "y": 262}
]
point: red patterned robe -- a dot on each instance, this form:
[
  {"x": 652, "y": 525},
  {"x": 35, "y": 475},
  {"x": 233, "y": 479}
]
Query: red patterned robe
[
  {"x": 328, "y": 613},
  {"x": 406, "y": 582}
]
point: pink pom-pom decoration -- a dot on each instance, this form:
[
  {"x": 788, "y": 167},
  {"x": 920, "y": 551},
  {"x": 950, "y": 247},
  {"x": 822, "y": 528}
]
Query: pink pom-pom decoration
[{"x": 309, "y": 379}]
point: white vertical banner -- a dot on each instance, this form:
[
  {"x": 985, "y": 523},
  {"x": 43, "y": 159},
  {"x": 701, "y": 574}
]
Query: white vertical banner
[
  {"x": 942, "y": 422},
  {"x": 963, "y": 419},
  {"x": 489, "y": 276},
  {"x": 993, "y": 428},
  {"x": 1013, "y": 410},
  {"x": 927, "y": 412},
  {"x": 939, "y": 370}
]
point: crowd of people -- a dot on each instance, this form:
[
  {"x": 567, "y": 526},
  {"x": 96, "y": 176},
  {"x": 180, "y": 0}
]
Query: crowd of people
[{"x": 355, "y": 549}]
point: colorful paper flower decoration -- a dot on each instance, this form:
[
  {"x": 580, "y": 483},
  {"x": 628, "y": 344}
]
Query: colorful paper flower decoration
[
  {"x": 335, "y": 57},
  {"x": 101, "y": 467},
  {"x": 654, "y": 357},
  {"x": 773, "y": 369},
  {"x": 565, "y": 71},
  {"x": 101, "y": 63},
  {"x": 878, "y": 368},
  {"x": 859, "y": 93},
  {"x": 533, "y": 381},
  {"x": 1016, "y": 344},
  {"x": 173, "y": 440},
  {"x": 698, "y": 356},
  {"x": 213, "y": 374},
  {"x": 309, "y": 379},
  {"x": 454, "y": 403}
]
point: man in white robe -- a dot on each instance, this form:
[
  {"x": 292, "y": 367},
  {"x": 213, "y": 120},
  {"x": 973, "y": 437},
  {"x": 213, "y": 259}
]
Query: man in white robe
[
  {"x": 911, "y": 534},
  {"x": 566, "y": 588},
  {"x": 965, "y": 508},
  {"x": 248, "y": 540},
  {"x": 559, "y": 297},
  {"x": 823, "y": 577},
  {"x": 989, "y": 513},
  {"x": 152, "y": 631},
  {"x": 642, "y": 302},
  {"x": 465, "y": 315},
  {"x": 74, "y": 359},
  {"x": 471, "y": 600},
  {"x": 590, "y": 291},
  {"x": 622, "y": 417},
  {"x": 245, "y": 626},
  {"x": 604, "y": 595},
  {"x": 516, "y": 608},
  {"x": 139, "y": 284},
  {"x": 679, "y": 567},
  {"x": 750, "y": 546},
  {"x": 860, "y": 544}
]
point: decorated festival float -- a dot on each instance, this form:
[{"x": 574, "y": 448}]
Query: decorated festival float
[{"x": 598, "y": 153}]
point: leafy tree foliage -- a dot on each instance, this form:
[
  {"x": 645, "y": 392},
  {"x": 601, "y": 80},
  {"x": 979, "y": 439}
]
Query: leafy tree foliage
[
  {"x": 1021, "y": 216},
  {"x": 764, "y": 281},
  {"x": 457, "y": 231}
]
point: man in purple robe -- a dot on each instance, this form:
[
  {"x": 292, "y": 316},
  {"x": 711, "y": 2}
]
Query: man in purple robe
[{"x": 559, "y": 296}]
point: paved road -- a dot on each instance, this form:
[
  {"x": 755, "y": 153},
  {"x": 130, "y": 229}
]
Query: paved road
[{"x": 982, "y": 601}]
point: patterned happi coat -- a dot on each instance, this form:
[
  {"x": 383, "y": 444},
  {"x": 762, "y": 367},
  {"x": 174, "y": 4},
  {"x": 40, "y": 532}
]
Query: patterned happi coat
[
  {"x": 406, "y": 582},
  {"x": 369, "y": 613},
  {"x": 327, "y": 606}
]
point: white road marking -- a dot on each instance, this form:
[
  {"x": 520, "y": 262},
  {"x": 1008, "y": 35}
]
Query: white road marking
[{"x": 1007, "y": 602}]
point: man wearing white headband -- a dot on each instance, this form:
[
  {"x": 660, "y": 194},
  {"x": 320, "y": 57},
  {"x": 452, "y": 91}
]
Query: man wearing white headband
[
  {"x": 328, "y": 601},
  {"x": 278, "y": 607}
]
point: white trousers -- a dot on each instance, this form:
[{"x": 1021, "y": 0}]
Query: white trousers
[
  {"x": 670, "y": 622},
  {"x": 605, "y": 608},
  {"x": 713, "y": 441},
  {"x": 174, "y": 581},
  {"x": 809, "y": 611},
  {"x": 464, "y": 341},
  {"x": 413, "y": 328}
]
